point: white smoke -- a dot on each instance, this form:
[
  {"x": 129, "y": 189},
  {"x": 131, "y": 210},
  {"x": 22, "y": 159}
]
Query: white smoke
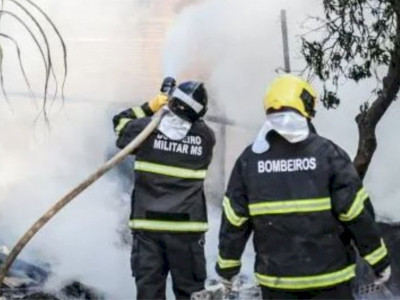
[
  {"x": 237, "y": 50},
  {"x": 81, "y": 242}
]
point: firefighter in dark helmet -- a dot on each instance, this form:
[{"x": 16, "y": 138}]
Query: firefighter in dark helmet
[
  {"x": 300, "y": 196},
  {"x": 169, "y": 217}
]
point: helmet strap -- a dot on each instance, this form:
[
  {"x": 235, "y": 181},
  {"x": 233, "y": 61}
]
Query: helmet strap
[{"x": 308, "y": 102}]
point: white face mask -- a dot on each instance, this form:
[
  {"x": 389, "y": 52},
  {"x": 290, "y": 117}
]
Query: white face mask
[
  {"x": 174, "y": 127},
  {"x": 290, "y": 125}
]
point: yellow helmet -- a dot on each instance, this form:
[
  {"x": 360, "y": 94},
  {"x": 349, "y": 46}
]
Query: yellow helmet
[{"x": 289, "y": 91}]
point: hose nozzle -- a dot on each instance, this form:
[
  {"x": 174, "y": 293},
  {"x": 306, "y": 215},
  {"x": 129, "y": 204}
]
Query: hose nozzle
[{"x": 168, "y": 85}]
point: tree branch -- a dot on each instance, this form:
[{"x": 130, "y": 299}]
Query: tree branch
[{"x": 368, "y": 118}]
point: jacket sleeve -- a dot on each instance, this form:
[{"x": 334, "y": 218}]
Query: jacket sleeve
[
  {"x": 235, "y": 225},
  {"x": 127, "y": 123},
  {"x": 123, "y": 118},
  {"x": 352, "y": 207}
]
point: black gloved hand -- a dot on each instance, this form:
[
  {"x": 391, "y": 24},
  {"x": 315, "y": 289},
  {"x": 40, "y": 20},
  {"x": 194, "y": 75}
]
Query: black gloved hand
[{"x": 168, "y": 85}]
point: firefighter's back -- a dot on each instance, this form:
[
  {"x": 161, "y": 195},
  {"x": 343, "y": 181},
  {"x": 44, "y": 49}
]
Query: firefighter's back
[
  {"x": 169, "y": 181},
  {"x": 295, "y": 231}
]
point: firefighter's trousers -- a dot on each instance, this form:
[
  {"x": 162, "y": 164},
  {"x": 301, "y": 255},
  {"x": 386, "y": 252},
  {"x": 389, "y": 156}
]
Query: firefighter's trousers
[
  {"x": 154, "y": 255},
  {"x": 341, "y": 291}
]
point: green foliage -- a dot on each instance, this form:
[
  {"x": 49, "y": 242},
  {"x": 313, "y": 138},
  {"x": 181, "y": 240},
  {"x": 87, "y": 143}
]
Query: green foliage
[{"x": 354, "y": 38}]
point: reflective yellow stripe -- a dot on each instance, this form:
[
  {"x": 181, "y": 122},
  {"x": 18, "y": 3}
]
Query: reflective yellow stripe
[
  {"x": 121, "y": 124},
  {"x": 169, "y": 171},
  {"x": 169, "y": 225},
  {"x": 227, "y": 263},
  {"x": 230, "y": 214},
  {"x": 356, "y": 207},
  {"x": 375, "y": 256},
  {"x": 290, "y": 206},
  {"x": 305, "y": 282},
  {"x": 139, "y": 113}
]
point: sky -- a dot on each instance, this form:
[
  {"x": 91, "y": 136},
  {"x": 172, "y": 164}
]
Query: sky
[{"x": 118, "y": 53}]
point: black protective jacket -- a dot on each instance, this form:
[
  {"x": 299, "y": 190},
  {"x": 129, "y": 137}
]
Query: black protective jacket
[
  {"x": 306, "y": 207},
  {"x": 169, "y": 175}
]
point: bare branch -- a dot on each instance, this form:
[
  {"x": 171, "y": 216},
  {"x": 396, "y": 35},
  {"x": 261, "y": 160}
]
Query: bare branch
[
  {"x": 49, "y": 59},
  {"x": 20, "y": 13},
  {"x": 64, "y": 47},
  {"x": 32, "y": 95},
  {"x": 20, "y": 21}
]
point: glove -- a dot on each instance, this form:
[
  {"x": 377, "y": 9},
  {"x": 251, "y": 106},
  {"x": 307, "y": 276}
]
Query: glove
[
  {"x": 157, "y": 102},
  {"x": 161, "y": 99},
  {"x": 383, "y": 276},
  {"x": 168, "y": 85}
]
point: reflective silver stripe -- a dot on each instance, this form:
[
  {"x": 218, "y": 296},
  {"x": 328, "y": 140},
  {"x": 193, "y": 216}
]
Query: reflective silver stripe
[
  {"x": 177, "y": 226},
  {"x": 227, "y": 263},
  {"x": 121, "y": 124},
  {"x": 139, "y": 113},
  {"x": 169, "y": 170},
  {"x": 304, "y": 282},
  {"x": 197, "y": 107},
  {"x": 290, "y": 206},
  {"x": 375, "y": 256},
  {"x": 230, "y": 214},
  {"x": 356, "y": 207}
]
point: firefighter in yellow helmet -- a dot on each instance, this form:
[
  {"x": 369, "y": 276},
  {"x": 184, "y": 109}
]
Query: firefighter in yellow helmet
[
  {"x": 300, "y": 196},
  {"x": 291, "y": 92}
]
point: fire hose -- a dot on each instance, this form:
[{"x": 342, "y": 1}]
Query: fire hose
[{"x": 134, "y": 144}]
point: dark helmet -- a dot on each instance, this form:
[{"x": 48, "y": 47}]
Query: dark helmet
[{"x": 189, "y": 101}]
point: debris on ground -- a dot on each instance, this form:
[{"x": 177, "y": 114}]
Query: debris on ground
[{"x": 26, "y": 280}]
